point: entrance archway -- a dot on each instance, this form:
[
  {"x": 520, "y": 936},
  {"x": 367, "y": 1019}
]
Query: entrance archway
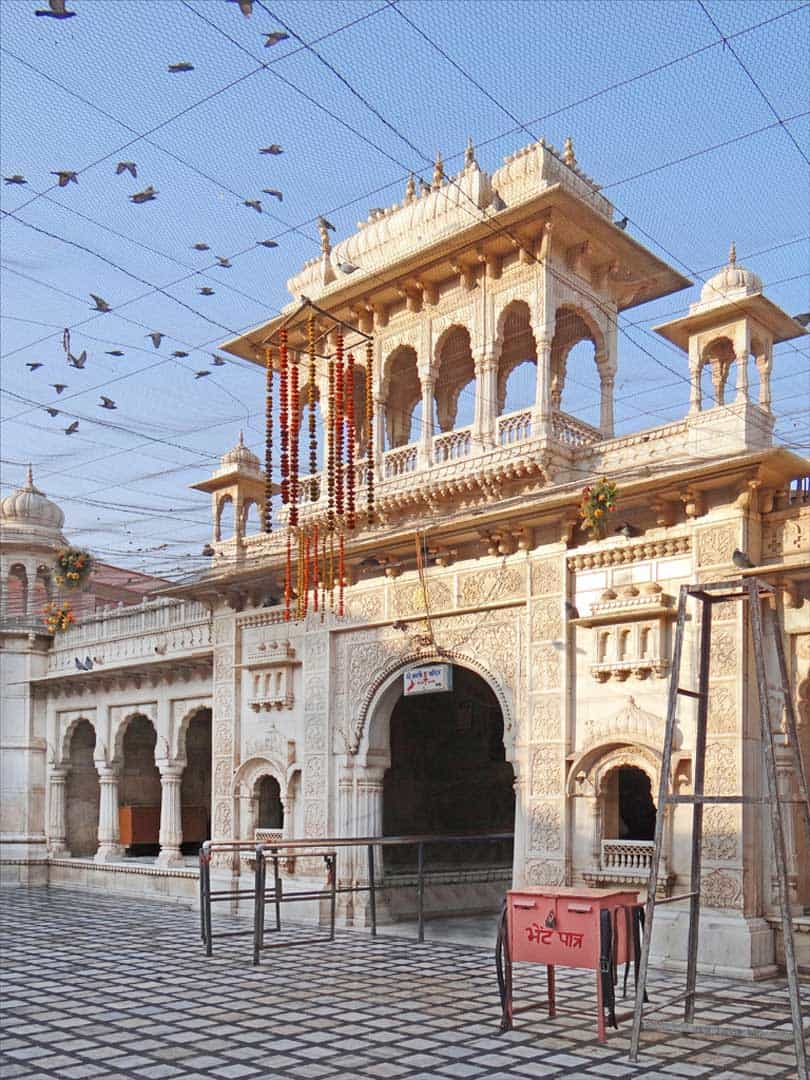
[
  {"x": 139, "y": 791},
  {"x": 195, "y": 788},
  {"x": 82, "y": 793},
  {"x": 448, "y": 774}
]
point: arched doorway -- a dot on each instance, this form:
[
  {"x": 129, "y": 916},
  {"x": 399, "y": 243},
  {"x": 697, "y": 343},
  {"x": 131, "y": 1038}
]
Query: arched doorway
[
  {"x": 139, "y": 790},
  {"x": 629, "y": 810},
  {"x": 195, "y": 788},
  {"x": 449, "y": 775},
  {"x": 82, "y": 793},
  {"x": 270, "y": 811}
]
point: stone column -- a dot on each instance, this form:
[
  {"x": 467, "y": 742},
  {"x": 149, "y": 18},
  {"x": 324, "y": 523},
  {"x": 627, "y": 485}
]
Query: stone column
[
  {"x": 694, "y": 378},
  {"x": 788, "y": 791},
  {"x": 171, "y": 829},
  {"x": 378, "y": 449},
  {"x": 345, "y": 797},
  {"x": 742, "y": 378},
  {"x": 764, "y": 365},
  {"x": 486, "y": 400},
  {"x": 596, "y": 833},
  {"x": 57, "y": 828},
  {"x": 369, "y": 820},
  {"x": 426, "y": 449},
  {"x": 606, "y": 382},
  {"x": 541, "y": 419},
  {"x": 109, "y": 847}
]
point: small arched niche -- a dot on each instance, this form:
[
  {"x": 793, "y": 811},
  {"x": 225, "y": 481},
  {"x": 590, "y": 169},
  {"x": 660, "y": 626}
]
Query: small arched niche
[
  {"x": 225, "y": 518},
  {"x": 82, "y": 792},
  {"x": 402, "y": 392},
  {"x": 270, "y": 809}
]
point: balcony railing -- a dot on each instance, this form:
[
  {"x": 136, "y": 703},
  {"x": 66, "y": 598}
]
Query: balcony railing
[
  {"x": 514, "y": 427},
  {"x": 401, "y": 461},
  {"x": 452, "y": 445},
  {"x": 627, "y": 856},
  {"x": 150, "y": 630},
  {"x": 572, "y": 432}
]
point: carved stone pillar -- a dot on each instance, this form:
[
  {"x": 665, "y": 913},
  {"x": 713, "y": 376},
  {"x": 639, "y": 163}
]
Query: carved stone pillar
[
  {"x": 378, "y": 449},
  {"x": 426, "y": 448},
  {"x": 787, "y": 791},
  {"x": 57, "y": 796},
  {"x": 369, "y": 820},
  {"x": 171, "y": 828},
  {"x": 486, "y": 399},
  {"x": 694, "y": 378},
  {"x": 742, "y": 378},
  {"x": 596, "y": 831},
  {"x": 541, "y": 420},
  {"x": 764, "y": 365},
  {"x": 606, "y": 404},
  {"x": 109, "y": 846}
]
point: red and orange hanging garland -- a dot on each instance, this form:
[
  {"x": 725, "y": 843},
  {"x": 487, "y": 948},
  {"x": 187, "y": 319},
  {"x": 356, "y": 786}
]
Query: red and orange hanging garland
[{"x": 268, "y": 446}]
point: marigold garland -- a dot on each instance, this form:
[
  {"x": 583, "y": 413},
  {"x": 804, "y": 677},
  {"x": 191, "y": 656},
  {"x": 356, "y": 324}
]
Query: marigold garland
[
  {"x": 313, "y": 437},
  {"x": 330, "y": 445},
  {"x": 268, "y": 446},
  {"x": 369, "y": 434},
  {"x": 58, "y": 617},
  {"x": 73, "y": 566},
  {"x": 295, "y": 426},
  {"x": 283, "y": 417},
  {"x": 598, "y": 500},
  {"x": 288, "y": 578},
  {"x": 351, "y": 517},
  {"x": 339, "y": 415}
]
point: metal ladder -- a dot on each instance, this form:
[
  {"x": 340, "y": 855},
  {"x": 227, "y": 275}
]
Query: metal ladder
[{"x": 754, "y": 590}]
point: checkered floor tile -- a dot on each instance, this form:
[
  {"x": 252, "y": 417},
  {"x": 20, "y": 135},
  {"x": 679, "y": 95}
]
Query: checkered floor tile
[{"x": 102, "y": 987}]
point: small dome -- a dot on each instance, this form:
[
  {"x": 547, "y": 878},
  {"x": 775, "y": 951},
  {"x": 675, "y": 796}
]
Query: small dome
[
  {"x": 240, "y": 457},
  {"x": 29, "y": 508},
  {"x": 731, "y": 282}
]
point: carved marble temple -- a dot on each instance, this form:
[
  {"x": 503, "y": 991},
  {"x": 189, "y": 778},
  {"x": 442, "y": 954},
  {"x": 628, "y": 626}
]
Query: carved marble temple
[{"x": 205, "y": 711}]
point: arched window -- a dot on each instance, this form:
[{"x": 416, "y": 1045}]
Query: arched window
[
  {"x": 252, "y": 524},
  {"x": 575, "y": 378},
  {"x": 403, "y": 393},
  {"x": 629, "y": 811},
  {"x": 82, "y": 793},
  {"x": 517, "y": 364},
  {"x": 455, "y": 379},
  {"x": 225, "y": 518},
  {"x": 17, "y": 591}
]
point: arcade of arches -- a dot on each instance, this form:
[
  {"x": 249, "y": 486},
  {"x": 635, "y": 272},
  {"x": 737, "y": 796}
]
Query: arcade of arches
[
  {"x": 84, "y": 825},
  {"x": 449, "y": 774}
]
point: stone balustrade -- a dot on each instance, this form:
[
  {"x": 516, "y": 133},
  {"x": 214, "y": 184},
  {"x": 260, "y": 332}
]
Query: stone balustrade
[
  {"x": 627, "y": 856},
  {"x": 514, "y": 427},
  {"x": 151, "y": 630},
  {"x": 452, "y": 445}
]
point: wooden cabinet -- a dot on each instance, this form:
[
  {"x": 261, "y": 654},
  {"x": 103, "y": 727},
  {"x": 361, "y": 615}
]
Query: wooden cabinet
[{"x": 138, "y": 824}]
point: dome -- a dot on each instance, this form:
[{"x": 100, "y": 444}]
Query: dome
[
  {"x": 28, "y": 515},
  {"x": 731, "y": 282},
  {"x": 240, "y": 457}
]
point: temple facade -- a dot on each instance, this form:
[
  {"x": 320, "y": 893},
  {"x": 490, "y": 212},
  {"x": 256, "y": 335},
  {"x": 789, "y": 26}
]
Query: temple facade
[{"x": 206, "y": 712}]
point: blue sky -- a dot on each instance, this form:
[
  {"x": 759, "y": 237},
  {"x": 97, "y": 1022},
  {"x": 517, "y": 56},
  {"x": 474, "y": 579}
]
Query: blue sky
[{"x": 669, "y": 118}]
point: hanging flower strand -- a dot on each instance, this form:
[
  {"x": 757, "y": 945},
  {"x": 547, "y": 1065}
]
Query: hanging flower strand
[
  {"x": 351, "y": 517},
  {"x": 330, "y": 445},
  {"x": 283, "y": 416},
  {"x": 313, "y": 438},
  {"x": 369, "y": 433},
  {"x": 295, "y": 426},
  {"x": 339, "y": 415},
  {"x": 268, "y": 445}
]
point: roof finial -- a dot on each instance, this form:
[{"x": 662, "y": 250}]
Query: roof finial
[
  {"x": 569, "y": 157},
  {"x": 469, "y": 154},
  {"x": 30, "y": 476},
  {"x": 732, "y": 254},
  {"x": 410, "y": 189},
  {"x": 241, "y": 438},
  {"x": 438, "y": 172}
]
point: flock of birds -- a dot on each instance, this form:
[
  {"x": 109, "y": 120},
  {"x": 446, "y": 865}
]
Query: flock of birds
[{"x": 57, "y": 9}]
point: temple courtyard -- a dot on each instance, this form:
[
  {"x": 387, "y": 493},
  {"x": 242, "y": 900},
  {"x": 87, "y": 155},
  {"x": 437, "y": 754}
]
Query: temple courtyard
[{"x": 102, "y": 987}]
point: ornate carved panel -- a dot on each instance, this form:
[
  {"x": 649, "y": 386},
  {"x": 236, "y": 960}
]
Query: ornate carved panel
[
  {"x": 722, "y": 714},
  {"x": 715, "y": 546},
  {"x": 546, "y": 666},
  {"x": 545, "y": 724},
  {"x": 546, "y": 619},
  {"x": 545, "y": 872},
  {"x": 315, "y": 785},
  {"x": 545, "y": 828},
  {"x": 721, "y": 770},
  {"x": 547, "y": 576},
  {"x": 487, "y": 586},
  {"x": 721, "y": 889},
  {"x": 367, "y": 605},
  {"x": 720, "y": 831},
  {"x": 546, "y": 771}
]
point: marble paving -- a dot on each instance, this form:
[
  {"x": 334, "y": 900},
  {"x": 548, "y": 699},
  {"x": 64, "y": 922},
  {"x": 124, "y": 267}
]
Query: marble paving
[{"x": 105, "y": 987}]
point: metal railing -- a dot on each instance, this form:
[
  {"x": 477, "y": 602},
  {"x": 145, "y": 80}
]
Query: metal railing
[{"x": 326, "y": 848}]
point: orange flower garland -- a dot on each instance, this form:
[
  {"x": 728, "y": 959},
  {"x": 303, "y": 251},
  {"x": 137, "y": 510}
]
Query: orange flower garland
[
  {"x": 313, "y": 437},
  {"x": 58, "y": 617},
  {"x": 295, "y": 426},
  {"x": 369, "y": 434},
  {"x": 268, "y": 446},
  {"x": 283, "y": 416},
  {"x": 338, "y": 415},
  {"x": 351, "y": 517}
]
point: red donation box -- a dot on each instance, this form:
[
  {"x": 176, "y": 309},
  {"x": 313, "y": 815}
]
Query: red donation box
[{"x": 572, "y": 927}]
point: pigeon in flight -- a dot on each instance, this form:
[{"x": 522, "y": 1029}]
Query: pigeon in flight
[
  {"x": 274, "y": 38},
  {"x": 274, "y": 192},
  {"x": 72, "y": 428},
  {"x": 324, "y": 224},
  {"x": 66, "y": 176},
  {"x": 156, "y": 337},
  {"x": 217, "y": 361},
  {"x": 200, "y": 247},
  {"x": 15, "y": 179},
  {"x": 245, "y": 6},
  {"x": 274, "y": 148},
  {"x": 52, "y": 412},
  {"x": 126, "y": 166},
  {"x": 223, "y": 262},
  {"x": 33, "y": 366},
  {"x": 57, "y": 10},
  {"x": 114, "y": 352},
  {"x": 179, "y": 353},
  {"x": 147, "y": 195},
  {"x": 254, "y": 204},
  {"x": 204, "y": 291},
  {"x": 100, "y": 302},
  {"x": 59, "y": 386},
  {"x": 107, "y": 403},
  {"x": 267, "y": 243},
  {"x": 201, "y": 374},
  {"x": 739, "y": 558},
  {"x": 184, "y": 65},
  {"x": 78, "y": 361}
]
